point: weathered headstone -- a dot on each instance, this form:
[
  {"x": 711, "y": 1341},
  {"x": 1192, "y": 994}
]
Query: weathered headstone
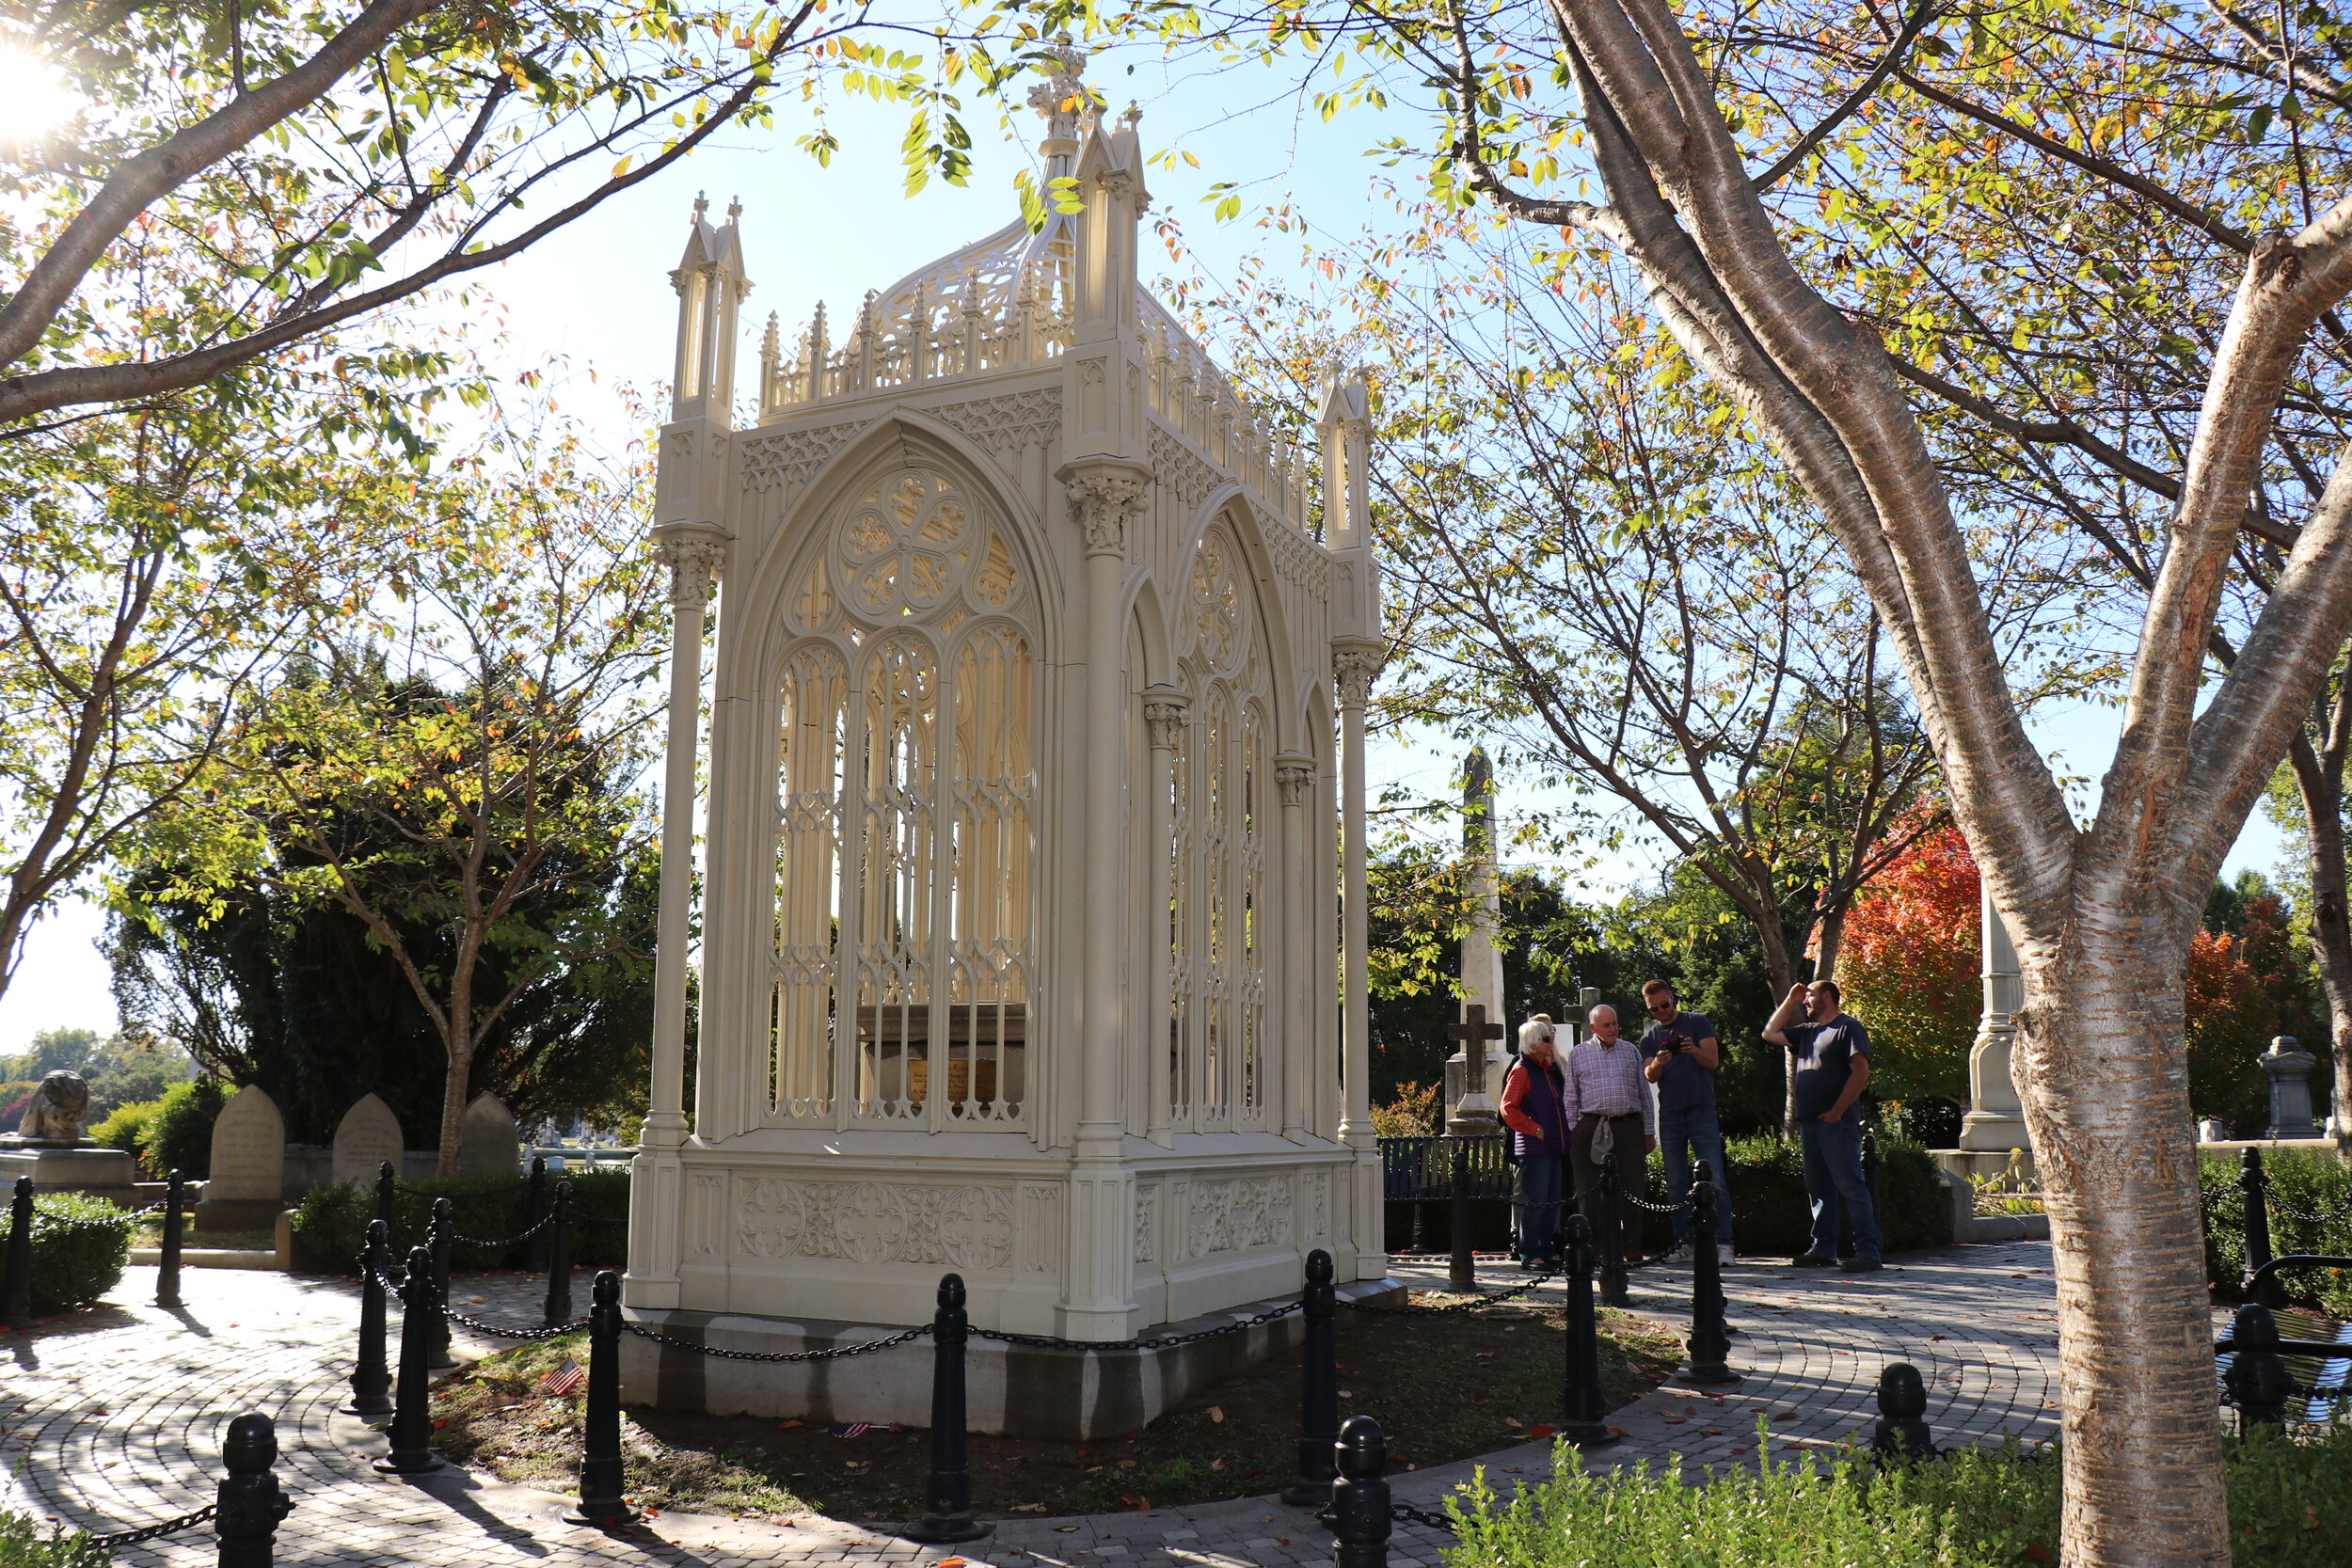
[
  {"x": 490, "y": 1144},
  {"x": 368, "y": 1135},
  {"x": 249, "y": 1165}
]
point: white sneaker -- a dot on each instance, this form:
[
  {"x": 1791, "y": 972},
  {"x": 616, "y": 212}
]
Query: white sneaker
[
  {"x": 1681, "y": 1254},
  {"x": 1723, "y": 1253}
]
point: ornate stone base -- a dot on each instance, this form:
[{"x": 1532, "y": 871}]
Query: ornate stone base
[
  {"x": 107, "y": 1173},
  {"x": 1023, "y": 1390}
]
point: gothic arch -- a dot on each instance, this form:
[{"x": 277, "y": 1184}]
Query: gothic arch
[{"x": 1230, "y": 505}]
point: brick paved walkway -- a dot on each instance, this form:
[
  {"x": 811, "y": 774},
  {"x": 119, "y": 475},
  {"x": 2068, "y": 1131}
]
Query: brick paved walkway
[{"x": 116, "y": 1422}]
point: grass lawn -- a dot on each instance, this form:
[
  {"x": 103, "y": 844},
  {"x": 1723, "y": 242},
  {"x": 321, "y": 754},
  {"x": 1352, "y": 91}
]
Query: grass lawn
[{"x": 1443, "y": 1388}]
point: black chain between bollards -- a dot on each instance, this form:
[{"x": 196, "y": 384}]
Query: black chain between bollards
[
  {"x": 832, "y": 1353},
  {"x": 16, "y": 1274},
  {"x": 247, "y": 1506},
  {"x": 948, "y": 1491},
  {"x": 1411, "y": 1310},
  {"x": 2253, "y": 1185},
  {"x": 438, "y": 1235},
  {"x": 1582, "y": 1402},
  {"x": 2258, "y": 1381},
  {"x": 370, "y": 1376},
  {"x": 1361, "y": 1516},
  {"x": 114, "y": 1541},
  {"x": 1423, "y": 1516},
  {"x": 1319, "y": 1386},
  {"x": 167, "y": 1260},
  {"x": 1709, "y": 1345},
  {"x": 1613, "y": 1271},
  {"x": 600, "y": 1470},
  {"x": 1046, "y": 1342},
  {"x": 558, "y": 1308},
  {"x": 1902, "y": 1431},
  {"x": 412, "y": 1413}
]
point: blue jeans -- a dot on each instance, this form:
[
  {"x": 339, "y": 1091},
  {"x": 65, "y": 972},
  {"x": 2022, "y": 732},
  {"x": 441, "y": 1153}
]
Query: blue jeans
[
  {"x": 1833, "y": 1174},
  {"x": 1539, "y": 1182},
  {"x": 1683, "y": 1137}
]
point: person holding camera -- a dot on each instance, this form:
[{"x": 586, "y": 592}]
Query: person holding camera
[
  {"x": 1680, "y": 1054},
  {"x": 1829, "y": 1054},
  {"x": 1534, "y": 1108}
]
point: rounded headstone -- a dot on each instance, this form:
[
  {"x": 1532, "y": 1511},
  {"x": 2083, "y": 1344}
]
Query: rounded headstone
[
  {"x": 368, "y": 1135},
  {"x": 249, "y": 1151},
  {"x": 490, "y": 1144}
]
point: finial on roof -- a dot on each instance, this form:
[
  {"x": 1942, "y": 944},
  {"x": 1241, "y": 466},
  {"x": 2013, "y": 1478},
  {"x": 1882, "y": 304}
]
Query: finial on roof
[
  {"x": 734, "y": 208},
  {"x": 702, "y": 205},
  {"x": 1063, "y": 92},
  {"x": 1133, "y": 117}
]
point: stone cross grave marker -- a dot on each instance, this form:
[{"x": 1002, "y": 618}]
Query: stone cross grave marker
[
  {"x": 489, "y": 1144},
  {"x": 1474, "y": 1029},
  {"x": 368, "y": 1135}
]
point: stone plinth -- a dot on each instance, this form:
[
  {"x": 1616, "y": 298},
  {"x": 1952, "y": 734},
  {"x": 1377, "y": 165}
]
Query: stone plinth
[
  {"x": 76, "y": 1167},
  {"x": 1073, "y": 1395}
]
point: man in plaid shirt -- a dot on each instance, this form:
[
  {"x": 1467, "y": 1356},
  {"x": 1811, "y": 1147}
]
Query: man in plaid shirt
[{"x": 1608, "y": 1103}]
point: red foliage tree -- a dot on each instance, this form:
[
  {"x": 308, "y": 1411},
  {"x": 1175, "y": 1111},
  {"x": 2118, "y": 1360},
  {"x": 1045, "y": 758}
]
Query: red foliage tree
[{"x": 1908, "y": 967}]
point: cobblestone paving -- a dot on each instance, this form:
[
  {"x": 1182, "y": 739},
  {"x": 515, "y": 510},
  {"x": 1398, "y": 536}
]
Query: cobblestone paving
[{"x": 115, "y": 1419}]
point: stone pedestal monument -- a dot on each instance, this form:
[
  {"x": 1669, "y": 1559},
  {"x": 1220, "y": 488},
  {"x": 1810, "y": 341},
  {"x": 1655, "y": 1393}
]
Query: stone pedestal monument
[
  {"x": 48, "y": 1147},
  {"x": 1038, "y": 693},
  {"x": 2289, "y": 1068},
  {"x": 1995, "y": 1122}
]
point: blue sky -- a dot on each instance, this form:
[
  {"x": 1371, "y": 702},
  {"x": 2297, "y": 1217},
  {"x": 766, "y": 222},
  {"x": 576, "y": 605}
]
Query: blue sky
[{"x": 598, "y": 297}]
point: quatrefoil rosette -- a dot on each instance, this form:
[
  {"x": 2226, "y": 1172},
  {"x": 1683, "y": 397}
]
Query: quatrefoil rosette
[{"x": 904, "y": 548}]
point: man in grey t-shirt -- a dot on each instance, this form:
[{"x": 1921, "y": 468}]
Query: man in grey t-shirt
[
  {"x": 1829, "y": 1054},
  {"x": 1680, "y": 1054}
]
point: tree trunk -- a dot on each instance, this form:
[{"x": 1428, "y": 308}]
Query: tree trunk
[
  {"x": 458, "y": 1042},
  {"x": 1780, "y": 973},
  {"x": 1832, "y": 932},
  {"x": 2319, "y": 777},
  {"x": 2106, "y": 1097}
]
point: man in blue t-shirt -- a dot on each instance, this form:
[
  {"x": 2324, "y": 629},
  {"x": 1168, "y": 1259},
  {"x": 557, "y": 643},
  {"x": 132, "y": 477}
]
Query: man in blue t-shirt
[
  {"x": 1830, "y": 1056},
  {"x": 1680, "y": 1054}
]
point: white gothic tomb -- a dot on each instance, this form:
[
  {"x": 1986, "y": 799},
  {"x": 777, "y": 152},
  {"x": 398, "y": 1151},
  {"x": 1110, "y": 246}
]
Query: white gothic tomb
[{"x": 1038, "y": 688}]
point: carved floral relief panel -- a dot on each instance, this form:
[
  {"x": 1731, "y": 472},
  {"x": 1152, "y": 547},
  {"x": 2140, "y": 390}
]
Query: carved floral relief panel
[
  {"x": 964, "y": 1226},
  {"x": 1236, "y": 1214}
]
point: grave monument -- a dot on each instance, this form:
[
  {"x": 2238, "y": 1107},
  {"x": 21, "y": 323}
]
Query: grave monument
[
  {"x": 246, "y": 1189},
  {"x": 48, "y": 1146},
  {"x": 1473, "y": 1074},
  {"x": 488, "y": 1142},
  {"x": 368, "y": 1135},
  {"x": 1019, "y": 954}
]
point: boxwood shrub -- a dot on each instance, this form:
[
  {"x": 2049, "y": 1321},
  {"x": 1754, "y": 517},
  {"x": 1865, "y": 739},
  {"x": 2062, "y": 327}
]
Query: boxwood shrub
[
  {"x": 2311, "y": 1180},
  {"x": 331, "y": 1221},
  {"x": 1770, "y": 1213},
  {"x": 80, "y": 1246},
  {"x": 29, "y": 1543}
]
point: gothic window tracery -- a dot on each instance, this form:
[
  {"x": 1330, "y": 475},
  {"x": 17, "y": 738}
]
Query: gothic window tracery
[{"x": 904, "y": 951}]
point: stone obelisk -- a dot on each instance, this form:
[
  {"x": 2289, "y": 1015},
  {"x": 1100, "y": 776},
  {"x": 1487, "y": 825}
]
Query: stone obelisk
[{"x": 1471, "y": 1079}]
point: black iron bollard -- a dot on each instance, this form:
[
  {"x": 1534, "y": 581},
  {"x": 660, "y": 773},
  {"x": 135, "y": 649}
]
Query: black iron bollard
[
  {"x": 559, "y": 1304},
  {"x": 1902, "y": 1429},
  {"x": 386, "y": 1182},
  {"x": 600, "y": 1472},
  {"x": 412, "y": 1415},
  {"x": 1613, "y": 1272},
  {"x": 1710, "y": 1337},
  {"x": 947, "y": 1495},
  {"x": 2253, "y": 1185},
  {"x": 16, "y": 1274},
  {"x": 248, "y": 1504},
  {"x": 2258, "y": 1381},
  {"x": 168, "y": 1261},
  {"x": 1319, "y": 1391},
  {"x": 371, "y": 1378},
  {"x": 1360, "y": 1515},
  {"x": 1419, "y": 1156},
  {"x": 436, "y": 1238},
  {"x": 1462, "y": 1270},
  {"x": 1582, "y": 1402},
  {"x": 536, "y": 1257}
]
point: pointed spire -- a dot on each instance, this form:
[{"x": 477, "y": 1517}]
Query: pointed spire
[
  {"x": 702, "y": 206},
  {"x": 734, "y": 208}
]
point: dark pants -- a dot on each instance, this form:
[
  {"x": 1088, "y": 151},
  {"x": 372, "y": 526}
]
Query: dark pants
[
  {"x": 1539, "y": 1216},
  {"x": 1832, "y": 1174},
  {"x": 1608, "y": 1221}
]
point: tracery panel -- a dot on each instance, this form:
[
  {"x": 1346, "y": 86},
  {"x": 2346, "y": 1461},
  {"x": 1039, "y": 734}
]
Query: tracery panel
[
  {"x": 991, "y": 963},
  {"x": 900, "y": 718},
  {"x": 803, "y": 1015}
]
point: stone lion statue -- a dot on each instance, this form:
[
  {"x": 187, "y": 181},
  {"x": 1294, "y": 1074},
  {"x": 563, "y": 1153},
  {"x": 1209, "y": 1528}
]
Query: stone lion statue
[{"x": 55, "y": 1112}]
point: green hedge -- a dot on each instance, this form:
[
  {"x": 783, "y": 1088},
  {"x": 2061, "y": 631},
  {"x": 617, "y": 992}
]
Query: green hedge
[
  {"x": 2308, "y": 1179},
  {"x": 179, "y": 1135},
  {"x": 331, "y": 1222},
  {"x": 80, "y": 1248},
  {"x": 1771, "y": 1215},
  {"x": 29, "y": 1543},
  {"x": 2290, "y": 1506}
]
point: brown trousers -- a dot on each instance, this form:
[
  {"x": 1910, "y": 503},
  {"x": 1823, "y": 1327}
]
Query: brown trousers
[{"x": 1609, "y": 1222}]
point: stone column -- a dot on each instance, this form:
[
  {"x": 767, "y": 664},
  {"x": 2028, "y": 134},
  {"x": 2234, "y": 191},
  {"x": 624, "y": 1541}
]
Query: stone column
[
  {"x": 1166, "y": 711},
  {"x": 1354, "y": 667},
  {"x": 1295, "y": 776},
  {"x": 1099, "y": 1268},
  {"x": 1996, "y": 1120},
  {"x": 695, "y": 554}
]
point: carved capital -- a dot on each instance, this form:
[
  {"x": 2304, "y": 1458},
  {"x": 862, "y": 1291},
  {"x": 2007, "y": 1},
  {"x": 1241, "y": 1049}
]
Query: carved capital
[
  {"x": 1165, "y": 712},
  {"x": 1354, "y": 668},
  {"x": 694, "y": 561},
  {"x": 1295, "y": 776},
  {"x": 1102, "y": 504}
]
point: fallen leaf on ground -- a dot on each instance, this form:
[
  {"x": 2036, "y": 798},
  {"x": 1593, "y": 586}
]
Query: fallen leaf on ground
[{"x": 1216, "y": 1414}]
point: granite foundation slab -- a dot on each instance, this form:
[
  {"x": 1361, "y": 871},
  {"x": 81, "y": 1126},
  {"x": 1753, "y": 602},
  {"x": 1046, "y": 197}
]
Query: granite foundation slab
[
  {"x": 107, "y": 1173},
  {"x": 1072, "y": 1394}
]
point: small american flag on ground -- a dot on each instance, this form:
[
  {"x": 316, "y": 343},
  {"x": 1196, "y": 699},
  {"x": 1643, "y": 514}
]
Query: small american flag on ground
[
  {"x": 850, "y": 1428},
  {"x": 562, "y": 1381}
]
